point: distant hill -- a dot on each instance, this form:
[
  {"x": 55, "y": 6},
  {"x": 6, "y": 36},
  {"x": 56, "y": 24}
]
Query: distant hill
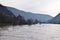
[
  {"x": 5, "y": 10},
  {"x": 29, "y": 15},
  {"x": 6, "y": 16},
  {"x": 13, "y": 16},
  {"x": 56, "y": 19}
]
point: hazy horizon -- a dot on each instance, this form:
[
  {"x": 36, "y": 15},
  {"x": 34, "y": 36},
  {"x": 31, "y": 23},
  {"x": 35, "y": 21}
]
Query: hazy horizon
[{"x": 50, "y": 7}]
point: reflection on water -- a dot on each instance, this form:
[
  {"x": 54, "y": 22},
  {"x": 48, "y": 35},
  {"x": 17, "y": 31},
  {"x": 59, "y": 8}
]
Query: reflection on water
[{"x": 34, "y": 32}]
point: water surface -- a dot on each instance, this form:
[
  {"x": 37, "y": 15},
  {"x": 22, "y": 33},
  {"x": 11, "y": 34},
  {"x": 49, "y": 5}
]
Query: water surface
[{"x": 34, "y": 32}]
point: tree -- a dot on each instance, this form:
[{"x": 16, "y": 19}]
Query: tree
[
  {"x": 29, "y": 21},
  {"x": 20, "y": 20},
  {"x": 36, "y": 21}
]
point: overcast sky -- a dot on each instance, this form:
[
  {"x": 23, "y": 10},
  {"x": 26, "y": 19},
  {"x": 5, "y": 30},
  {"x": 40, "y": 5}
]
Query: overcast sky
[{"x": 50, "y": 7}]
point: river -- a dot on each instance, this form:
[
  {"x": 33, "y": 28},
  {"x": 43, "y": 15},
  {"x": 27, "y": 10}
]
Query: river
[{"x": 33, "y": 32}]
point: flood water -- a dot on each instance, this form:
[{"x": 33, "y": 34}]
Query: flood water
[{"x": 33, "y": 32}]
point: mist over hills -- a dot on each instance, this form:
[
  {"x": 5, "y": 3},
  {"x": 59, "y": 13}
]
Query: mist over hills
[
  {"x": 16, "y": 16},
  {"x": 10, "y": 15},
  {"x": 29, "y": 15}
]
